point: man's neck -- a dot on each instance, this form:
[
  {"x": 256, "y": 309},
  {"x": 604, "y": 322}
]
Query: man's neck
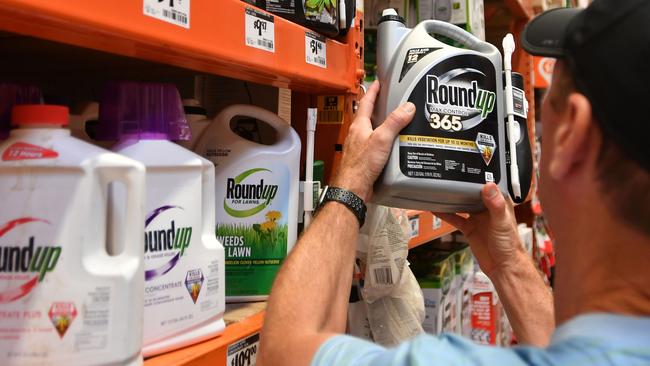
[{"x": 602, "y": 265}]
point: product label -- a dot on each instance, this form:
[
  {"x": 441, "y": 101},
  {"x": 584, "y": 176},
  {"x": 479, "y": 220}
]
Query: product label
[
  {"x": 176, "y": 12},
  {"x": 453, "y": 134},
  {"x": 25, "y": 151},
  {"x": 45, "y": 311},
  {"x": 287, "y": 7},
  {"x": 412, "y": 57},
  {"x": 315, "y": 50},
  {"x": 260, "y": 30},
  {"x": 183, "y": 274},
  {"x": 244, "y": 352},
  {"x": 252, "y": 224},
  {"x": 330, "y": 109},
  {"x": 320, "y": 11},
  {"x": 414, "y": 224}
]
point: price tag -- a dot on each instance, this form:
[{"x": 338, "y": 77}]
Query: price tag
[
  {"x": 260, "y": 30},
  {"x": 414, "y": 223},
  {"x": 315, "y": 50},
  {"x": 437, "y": 222},
  {"x": 244, "y": 352},
  {"x": 176, "y": 12}
]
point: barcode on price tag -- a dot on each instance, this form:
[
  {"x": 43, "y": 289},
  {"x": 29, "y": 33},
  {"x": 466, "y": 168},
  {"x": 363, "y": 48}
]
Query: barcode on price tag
[
  {"x": 260, "y": 30},
  {"x": 315, "y": 49},
  {"x": 244, "y": 352},
  {"x": 176, "y": 12}
]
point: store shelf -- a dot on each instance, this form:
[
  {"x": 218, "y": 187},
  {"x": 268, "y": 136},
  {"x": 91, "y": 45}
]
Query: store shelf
[
  {"x": 243, "y": 321},
  {"x": 214, "y": 42},
  {"x": 425, "y": 226}
]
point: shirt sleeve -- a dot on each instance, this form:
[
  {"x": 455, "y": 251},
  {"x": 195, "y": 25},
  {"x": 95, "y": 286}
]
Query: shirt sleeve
[{"x": 447, "y": 349}]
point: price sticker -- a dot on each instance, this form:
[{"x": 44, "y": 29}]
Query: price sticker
[
  {"x": 414, "y": 223},
  {"x": 244, "y": 352},
  {"x": 315, "y": 50},
  {"x": 260, "y": 30},
  {"x": 176, "y": 12}
]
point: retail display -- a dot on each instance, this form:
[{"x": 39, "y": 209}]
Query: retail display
[
  {"x": 72, "y": 283},
  {"x": 455, "y": 143},
  {"x": 184, "y": 297},
  {"x": 329, "y": 17},
  {"x": 257, "y": 187}
]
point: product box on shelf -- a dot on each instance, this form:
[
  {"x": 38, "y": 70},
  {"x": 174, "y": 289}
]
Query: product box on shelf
[
  {"x": 485, "y": 310},
  {"x": 435, "y": 271}
]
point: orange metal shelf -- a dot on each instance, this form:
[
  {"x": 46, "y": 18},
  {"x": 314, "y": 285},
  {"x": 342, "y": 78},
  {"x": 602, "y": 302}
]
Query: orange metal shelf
[
  {"x": 214, "y": 43},
  {"x": 213, "y": 351},
  {"x": 426, "y": 230}
]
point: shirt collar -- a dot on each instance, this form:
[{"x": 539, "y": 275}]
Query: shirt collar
[{"x": 611, "y": 327}]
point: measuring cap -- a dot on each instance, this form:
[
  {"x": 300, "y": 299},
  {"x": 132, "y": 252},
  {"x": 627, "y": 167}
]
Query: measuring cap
[
  {"x": 39, "y": 114},
  {"x": 143, "y": 111}
]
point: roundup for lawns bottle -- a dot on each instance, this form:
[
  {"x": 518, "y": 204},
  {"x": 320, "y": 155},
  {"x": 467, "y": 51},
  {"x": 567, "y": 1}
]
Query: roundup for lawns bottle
[
  {"x": 183, "y": 293},
  {"x": 66, "y": 297},
  {"x": 456, "y": 141},
  {"x": 257, "y": 196}
]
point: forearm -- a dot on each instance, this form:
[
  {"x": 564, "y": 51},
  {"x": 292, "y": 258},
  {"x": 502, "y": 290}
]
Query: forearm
[
  {"x": 310, "y": 293},
  {"x": 527, "y": 300}
]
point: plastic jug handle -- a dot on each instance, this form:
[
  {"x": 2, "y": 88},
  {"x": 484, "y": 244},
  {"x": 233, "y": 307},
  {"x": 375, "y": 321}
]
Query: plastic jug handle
[
  {"x": 269, "y": 117},
  {"x": 455, "y": 33},
  {"x": 208, "y": 199},
  {"x": 132, "y": 176}
]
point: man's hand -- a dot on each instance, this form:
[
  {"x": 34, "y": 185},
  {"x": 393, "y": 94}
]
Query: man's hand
[
  {"x": 495, "y": 242},
  {"x": 366, "y": 151},
  {"x": 492, "y": 234}
]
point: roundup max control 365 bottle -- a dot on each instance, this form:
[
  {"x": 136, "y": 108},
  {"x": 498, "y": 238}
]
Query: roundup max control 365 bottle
[{"x": 456, "y": 141}]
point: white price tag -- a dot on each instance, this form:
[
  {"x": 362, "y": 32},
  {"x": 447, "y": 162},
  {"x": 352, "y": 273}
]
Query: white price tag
[
  {"x": 315, "y": 49},
  {"x": 414, "y": 223},
  {"x": 176, "y": 12},
  {"x": 244, "y": 352},
  {"x": 260, "y": 30},
  {"x": 437, "y": 222}
]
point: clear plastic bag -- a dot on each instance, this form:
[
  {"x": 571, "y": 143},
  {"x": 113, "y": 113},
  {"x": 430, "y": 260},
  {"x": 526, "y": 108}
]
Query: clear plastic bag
[{"x": 393, "y": 296}]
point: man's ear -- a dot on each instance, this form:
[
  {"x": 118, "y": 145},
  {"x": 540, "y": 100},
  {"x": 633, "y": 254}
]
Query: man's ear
[{"x": 572, "y": 137}]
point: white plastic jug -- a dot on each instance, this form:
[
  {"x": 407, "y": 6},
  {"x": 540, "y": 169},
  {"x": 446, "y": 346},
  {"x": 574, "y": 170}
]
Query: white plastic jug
[
  {"x": 256, "y": 199},
  {"x": 197, "y": 119},
  {"x": 184, "y": 290},
  {"x": 64, "y": 299}
]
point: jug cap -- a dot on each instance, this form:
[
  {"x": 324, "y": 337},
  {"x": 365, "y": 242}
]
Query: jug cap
[
  {"x": 13, "y": 94},
  {"x": 143, "y": 111},
  {"x": 39, "y": 114}
]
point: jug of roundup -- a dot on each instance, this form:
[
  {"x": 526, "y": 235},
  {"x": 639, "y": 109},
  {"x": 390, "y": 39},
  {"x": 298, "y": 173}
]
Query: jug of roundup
[
  {"x": 257, "y": 195},
  {"x": 456, "y": 142},
  {"x": 66, "y": 296},
  {"x": 184, "y": 298}
]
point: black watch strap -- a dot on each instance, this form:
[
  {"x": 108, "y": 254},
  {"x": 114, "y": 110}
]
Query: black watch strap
[{"x": 349, "y": 199}]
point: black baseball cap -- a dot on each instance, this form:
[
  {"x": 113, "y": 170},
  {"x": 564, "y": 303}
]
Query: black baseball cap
[{"x": 607, "y": 48}]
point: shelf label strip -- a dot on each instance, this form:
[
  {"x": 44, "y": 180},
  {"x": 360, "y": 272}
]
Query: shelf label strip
[
  {"x": 315, "y": 50},
  {"x": 260, "y": 30},
  {"x": 176, "y": 12}
]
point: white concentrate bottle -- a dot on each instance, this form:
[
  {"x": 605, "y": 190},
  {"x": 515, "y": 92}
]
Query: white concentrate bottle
[
  {"x": 184, "y": 295},
  {"x": 65, "y": 297}
]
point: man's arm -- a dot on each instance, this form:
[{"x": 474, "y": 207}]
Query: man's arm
[
  {"x": 495, "y": 242},
  {"x": 308, "y": 301}
]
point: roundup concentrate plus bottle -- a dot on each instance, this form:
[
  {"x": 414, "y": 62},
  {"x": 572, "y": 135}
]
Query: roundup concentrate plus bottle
[
  {"x": 455, "y": 143},
  {"x": 257, "y": 198},
  {"x": 184, "y": 298},
  {"x": 66, "y": 298}
]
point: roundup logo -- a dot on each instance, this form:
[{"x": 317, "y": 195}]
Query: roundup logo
[
  {"x": 165, "y": 240},
  {"x": 25, "y": 259},
  {"x": 456, "y": 104},
  {"x": 258, "y": 194}
]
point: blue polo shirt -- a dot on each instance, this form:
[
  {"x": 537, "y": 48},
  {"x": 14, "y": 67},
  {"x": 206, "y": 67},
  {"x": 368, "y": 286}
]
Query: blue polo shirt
[{"x": 591, "y": 339}]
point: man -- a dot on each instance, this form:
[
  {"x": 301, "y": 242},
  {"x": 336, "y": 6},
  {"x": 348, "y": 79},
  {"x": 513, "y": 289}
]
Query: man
[{"x": 595, "y": 190}]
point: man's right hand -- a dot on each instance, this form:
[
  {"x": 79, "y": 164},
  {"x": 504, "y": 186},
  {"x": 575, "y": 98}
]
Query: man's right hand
[{"x": 492, "y": 234}]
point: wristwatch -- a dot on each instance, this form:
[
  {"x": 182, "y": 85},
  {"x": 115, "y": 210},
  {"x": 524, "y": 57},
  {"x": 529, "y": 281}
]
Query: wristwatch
[{"x": 347, "y": 198}]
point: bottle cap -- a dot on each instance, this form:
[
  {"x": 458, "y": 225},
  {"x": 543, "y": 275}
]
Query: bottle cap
[
  {"x": 10, "y": 95},
  {"x": 142, "y": 111},
  {"x": 39, "y": 114}
]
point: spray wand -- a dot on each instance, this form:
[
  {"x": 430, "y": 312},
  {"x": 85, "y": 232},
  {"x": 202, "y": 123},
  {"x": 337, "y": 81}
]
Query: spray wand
[{"x": 508, "y": 49}]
